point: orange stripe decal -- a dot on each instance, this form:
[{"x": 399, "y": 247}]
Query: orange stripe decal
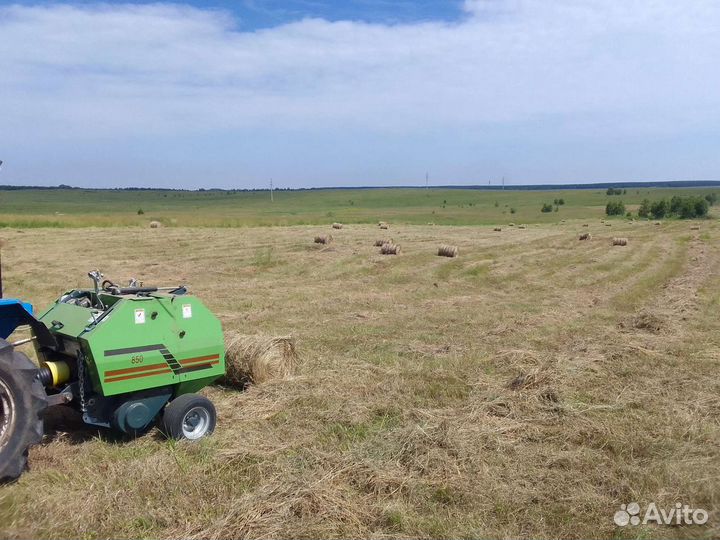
[
  {"x": 200, "y": 359},
  {"x": 134, "y": 369},
  {"x": 136, "y": 375}
]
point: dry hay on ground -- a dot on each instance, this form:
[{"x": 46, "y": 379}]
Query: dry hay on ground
[
  {"x": 447, "y": 251},
  {"x": 155, "y": 224},
  {"x": 258, "y": 359},
  {"x": 337, "y": 225},
  {"x": 390, "y": 249},
  {"x": 619, "y": 241},
  {"x": 381, "y": 242},
  {"x": 323, "y": 239},
  {"x": 585, "y": 236}
]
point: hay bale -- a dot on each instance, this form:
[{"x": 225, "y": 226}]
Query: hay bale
[
  {"x": 695, "y": 228},
  {"x": 658, "y": 223},
  {"x": 585, "y": 225},
  {"x": 384, "y": 226},
  {"x": 337, "y": 225},
  {"x": 390, "y": 249},
  {"x": 447, "y": 251},
  {"x": 511, "y": 224},
  {"x": 497, "y": 229},
  {"x": 521, "y": 227},
  {"x": 155, "y": 224},
  {"x": 323, "y": 239},
  {"x": 608, "y": 224},
  {"x": 257, "y": 359},
  {"x": 619, "y": 241},
  {"x": 585, "y": 236},
  {"x": 380, "y": 243}
]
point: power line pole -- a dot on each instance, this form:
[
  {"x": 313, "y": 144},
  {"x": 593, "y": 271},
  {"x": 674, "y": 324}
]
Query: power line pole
[
  {"x": 427, "y": 181},
  {"x": 503, "y": 183},
  {"x": 271, "y": 191}
]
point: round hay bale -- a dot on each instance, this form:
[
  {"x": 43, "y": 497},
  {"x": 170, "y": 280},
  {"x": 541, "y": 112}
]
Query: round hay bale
[
  {"x": 658, "y": 223},
  {"x": 323, "y": 239},
  {"x": 257, "y": 359},
  {"x": 384, "y": 226},
  {"x": 585, "y": 236},
  {"x": 497, "y": 229},
  {"x": 380, "y": 243},
  {"x": 337, "y": 225},
  {"x": 585, "y": 225},
  {"x": 447, "y": 251},
  {"x": 155, "y": 224},
  {"x": 608, "y": 224},
  {"x": 619, "y": 241},
  {"x": 511, "y": 224},
  {"x": 390, "y": 249},
  {"x": 695, "y": 228},
  {"x": 522, "y": 227}
]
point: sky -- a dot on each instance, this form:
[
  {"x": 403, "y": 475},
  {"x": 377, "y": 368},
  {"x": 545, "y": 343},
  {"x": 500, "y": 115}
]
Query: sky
[{"x": 313, "y": 93}]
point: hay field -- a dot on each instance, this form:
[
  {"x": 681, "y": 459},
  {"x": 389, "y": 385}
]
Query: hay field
[{"x": 523, "y": 389}]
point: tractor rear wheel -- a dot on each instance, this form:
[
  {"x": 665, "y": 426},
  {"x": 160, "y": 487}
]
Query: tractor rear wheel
[{"x": 22, "y": 400}]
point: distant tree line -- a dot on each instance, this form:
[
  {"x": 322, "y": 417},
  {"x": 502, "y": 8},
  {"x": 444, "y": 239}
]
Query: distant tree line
[
  {"x": 616, "y": 191},
  {"x": 682, "y": 207}
]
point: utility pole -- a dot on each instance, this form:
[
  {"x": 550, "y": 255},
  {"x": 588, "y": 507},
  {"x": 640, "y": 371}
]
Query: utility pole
[
  {"x": 427, "y": 181},
  {"x": 503, "y": 183},
  {"x": 271, "y": 191}
]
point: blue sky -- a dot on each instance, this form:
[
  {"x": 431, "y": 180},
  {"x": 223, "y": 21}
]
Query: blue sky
[{"x": 365, "y": 92}]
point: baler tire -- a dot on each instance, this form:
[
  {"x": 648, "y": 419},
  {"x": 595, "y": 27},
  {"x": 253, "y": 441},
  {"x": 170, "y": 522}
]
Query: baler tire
[
  {"x": 176, "y": 411},
  {"x": 22, "y": 401}
]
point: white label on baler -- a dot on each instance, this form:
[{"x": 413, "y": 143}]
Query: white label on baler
[
  {"x": 139, "y": 316},
  {"x": 187, "y": 311}
]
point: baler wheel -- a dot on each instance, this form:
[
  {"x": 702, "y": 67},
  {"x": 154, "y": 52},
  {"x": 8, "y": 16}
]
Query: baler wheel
[
  {"x": 189, "y": 416},
  {"x": 22, "y": 400}
]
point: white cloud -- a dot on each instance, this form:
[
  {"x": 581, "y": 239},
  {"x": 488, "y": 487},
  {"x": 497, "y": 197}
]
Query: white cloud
[{"x": 596, "y": 68}]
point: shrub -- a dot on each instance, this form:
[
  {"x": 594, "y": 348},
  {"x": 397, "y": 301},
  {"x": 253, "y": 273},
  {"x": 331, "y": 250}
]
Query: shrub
[
  {"x": 613, "y": 191},
  {"x": 644, "y": 210},
  {"x": 711, "y": 198},
  {"x": 546, "y": 208},
  {"x": 140, "y": 212},
  {"x": 615, "y": 208},
  {"x": 512, "y": 210},
  {"x": 560, "y": 202},
  {"x": 660, "y": 209}
]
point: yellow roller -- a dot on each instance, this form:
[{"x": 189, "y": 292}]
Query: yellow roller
[{"x": 60, "y": 372}]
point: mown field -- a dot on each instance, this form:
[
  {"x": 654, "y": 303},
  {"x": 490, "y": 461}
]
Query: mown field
[
  {"x": 525, "y": 389},
  {"x": 83, "y": 208}
]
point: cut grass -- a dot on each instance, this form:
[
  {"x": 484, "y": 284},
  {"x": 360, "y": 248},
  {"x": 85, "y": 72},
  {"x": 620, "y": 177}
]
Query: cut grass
[{"x": 508, "y": 393}]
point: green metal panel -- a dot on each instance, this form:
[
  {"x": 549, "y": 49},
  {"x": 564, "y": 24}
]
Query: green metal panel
[{"x": 145, "y": 342}]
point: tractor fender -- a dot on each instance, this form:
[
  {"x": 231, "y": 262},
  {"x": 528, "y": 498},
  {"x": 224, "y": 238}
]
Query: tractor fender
[{"x": 14, "y": 313}]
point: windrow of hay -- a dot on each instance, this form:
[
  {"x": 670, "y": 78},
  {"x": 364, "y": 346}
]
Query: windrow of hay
[
  {"x": 323, "y": 239},
  {"x": 585, "y": 236},
  {"x": 258, "y": 359},
  {"x": 619, "y": 241},
  {"x": 337, "y": 225},
  {"x": 447, "y": 251},
  {"x": 381, "y": 242},
  {"x": 155, "y": 224},
  {"x": 390, "y": 249}
]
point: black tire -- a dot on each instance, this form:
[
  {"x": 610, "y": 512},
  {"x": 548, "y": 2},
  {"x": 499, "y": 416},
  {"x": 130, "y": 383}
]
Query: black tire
[
  {"x": 181, "y": 412},
  {"x": 22, "y": 401}
]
